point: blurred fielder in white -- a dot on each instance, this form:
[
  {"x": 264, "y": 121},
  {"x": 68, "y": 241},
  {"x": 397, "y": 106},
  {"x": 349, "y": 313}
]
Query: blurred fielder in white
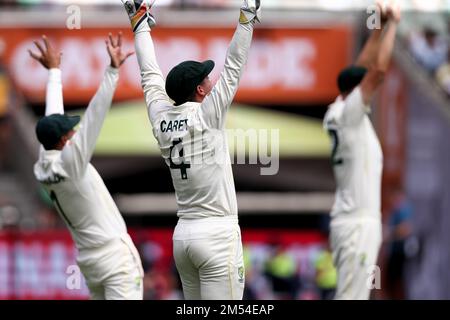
[
  {"x": 358, "y": 161},
  {"x": 107, "y": 256},
  {"x": 191, "y": 135}
]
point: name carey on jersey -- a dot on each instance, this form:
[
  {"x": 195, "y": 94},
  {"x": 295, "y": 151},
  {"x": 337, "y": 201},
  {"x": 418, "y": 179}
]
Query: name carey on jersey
[{"x": 174, "y": 125}]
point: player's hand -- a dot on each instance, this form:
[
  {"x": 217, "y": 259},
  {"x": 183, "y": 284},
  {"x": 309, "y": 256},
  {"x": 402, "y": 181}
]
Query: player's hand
[
  {"x": 250, "y": 11},
  {"x": 382, "y": 8},
  {"x": 114, "y": 48},
  {"x": 49, "y": 57},
  {"x": 394, "y": 12}
]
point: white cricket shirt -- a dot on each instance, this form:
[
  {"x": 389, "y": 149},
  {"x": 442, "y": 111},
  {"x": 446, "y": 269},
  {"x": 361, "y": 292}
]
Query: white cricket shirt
[
  {"x": 192, "y": 136},
  {"x": 75, "y": 187},
  {"x": 357, "y": 157}
]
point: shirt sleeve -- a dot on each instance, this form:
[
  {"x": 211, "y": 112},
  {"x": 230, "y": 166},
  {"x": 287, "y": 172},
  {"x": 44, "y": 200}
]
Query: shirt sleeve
[
  {"x": 354, "y": 109},
  {"x": 217, "y": 103},
  {"x": 54, "y": 93},
  {"x": 152, "y": 80},
  {"x": 77, "y": 153},
  {"x": 53, "y": 96}
]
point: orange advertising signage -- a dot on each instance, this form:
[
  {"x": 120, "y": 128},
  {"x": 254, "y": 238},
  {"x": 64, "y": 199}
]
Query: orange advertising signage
[{"x": 285, "y": 66}]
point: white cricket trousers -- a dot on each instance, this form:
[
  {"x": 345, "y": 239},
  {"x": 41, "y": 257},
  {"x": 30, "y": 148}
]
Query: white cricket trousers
[
  {"x": 208, "y": 256},
  {"x": 113, "y": 271},
  {"x": 355, "y": 242}
]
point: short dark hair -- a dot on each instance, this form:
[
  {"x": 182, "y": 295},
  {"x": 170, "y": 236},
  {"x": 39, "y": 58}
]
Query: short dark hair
[
  {"x": 189, "y": 98},
  {"x": 49, "y": 147},
  {"x": 350, "y": 78}
]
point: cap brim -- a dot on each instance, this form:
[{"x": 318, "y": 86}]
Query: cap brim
[
  {"x": 73, "y": 120},
  {"x": 209, "y": 66}
]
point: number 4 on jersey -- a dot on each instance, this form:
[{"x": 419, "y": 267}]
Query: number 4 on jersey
[{"x": 177, "y": 146}]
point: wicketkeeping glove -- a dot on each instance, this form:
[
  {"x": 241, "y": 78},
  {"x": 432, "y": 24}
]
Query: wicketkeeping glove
[{"x": 250, "y": 10}]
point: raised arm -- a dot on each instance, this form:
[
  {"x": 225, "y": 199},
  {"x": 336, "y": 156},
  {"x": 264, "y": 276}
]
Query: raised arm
[
  {"x": 219, "y": 100},
  {"x": 152, "y": 80},
  {"x": 54, "y": 94},
  {"x": 51, "y": 60},
  {"x": 377, "y": 70},
  {"x": 77, "y": 154},
  {"x": 367, "y": 57}
]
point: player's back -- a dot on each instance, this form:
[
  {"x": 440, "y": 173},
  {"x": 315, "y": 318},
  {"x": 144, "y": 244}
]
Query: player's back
[
  {"x": 198, "y": 157},
  {"x": 357, "y": 157},
  {"x": 82, "y": 200}
]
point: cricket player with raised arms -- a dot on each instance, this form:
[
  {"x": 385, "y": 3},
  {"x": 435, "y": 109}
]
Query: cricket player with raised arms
[
  {"x": 188, "y": 113},
  {"x": 355, "y": 230},
  {"x": 106, "y": 256}
]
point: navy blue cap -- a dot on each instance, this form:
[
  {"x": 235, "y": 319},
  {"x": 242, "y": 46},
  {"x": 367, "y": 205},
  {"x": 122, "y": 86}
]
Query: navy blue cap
[
  {"x": 50, "y": 129},
  {"x": 185, "y": 77},
  {"x": 350, "y": 78}
]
